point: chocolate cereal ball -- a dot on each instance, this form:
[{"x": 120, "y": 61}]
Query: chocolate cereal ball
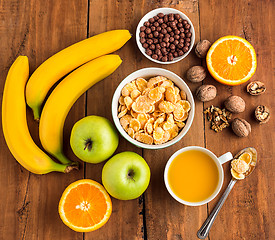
[{"x": 165, "y": 36}]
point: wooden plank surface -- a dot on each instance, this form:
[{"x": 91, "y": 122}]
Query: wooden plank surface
[
  {"x": 165, "y": 217},
  {"x": 127, "y": 219},
  {"x": 248, "y": 213},
  {"x": 29, "y": 202},
  {"x": 38, "y": 29}
]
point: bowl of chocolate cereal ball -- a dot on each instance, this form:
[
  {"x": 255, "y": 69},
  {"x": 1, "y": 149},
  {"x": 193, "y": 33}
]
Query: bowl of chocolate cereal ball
[
  {"x": 153, "y": 108},
  {"x": 165, "y": 35}
]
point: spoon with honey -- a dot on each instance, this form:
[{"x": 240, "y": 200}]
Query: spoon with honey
[{"x": 242, "y": 166}]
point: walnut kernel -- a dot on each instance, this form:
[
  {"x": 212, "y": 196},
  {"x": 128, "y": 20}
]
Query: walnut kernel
[
  {"x": 196, "y": 74},
  {"x": 234, "y": 104},
  {"x": 262, "y": 114},
  {"x": 218, "y": 118},
  {"x": 256, "y": 88}
]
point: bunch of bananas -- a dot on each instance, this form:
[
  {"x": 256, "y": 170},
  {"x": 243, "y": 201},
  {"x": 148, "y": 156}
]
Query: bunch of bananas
[{"x": 96, "y": 65}]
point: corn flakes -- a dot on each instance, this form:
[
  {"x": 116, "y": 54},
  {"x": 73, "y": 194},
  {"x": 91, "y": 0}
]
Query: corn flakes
[
  {"x": 155, "y": 94},
  {"x": 165, "y": 138},
  {"x": 141, "y": 84},
  {"x": 153, "y": 111},
  {"x": 135, "y": 124},
  {"x": 125, "y": 121},
  {"x": 142, "y": 118},
  {"x": 183, "y": 95},
  {"x": 121, "y": 100},
  {"x": 158, "y": 133},
  {"x": 174, "y": 131},
  {"x": 170, "y": 95},
  {"x": 128, "y": 102},
  {"x": 141, "y": 105},
  {"x": 122, "y": 112},
  {"x": 119, "y": 108},
  {"x": 128, "y": 89},
  {"x": 169, "y": 123},
  {"x": 144, "y": 138},
  {"x": 135, "y": 93},
  {"x": 159, "y": 121},
  {"x": 153, "y": 82},
  {"x": 167, "y": 84},
  {"x": 178, "y": 112},
  {"x": 166, "y": 107},
  {"x": 180, "y": 124},
  {"x": 185, "y": 104},
  {"x": 133, "y": 113},
  {"x": 131, "y": 132}
]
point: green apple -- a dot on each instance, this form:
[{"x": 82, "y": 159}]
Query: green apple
[
  {"x": 126, "y": 176},
  {"x": 93, "y": 139}
]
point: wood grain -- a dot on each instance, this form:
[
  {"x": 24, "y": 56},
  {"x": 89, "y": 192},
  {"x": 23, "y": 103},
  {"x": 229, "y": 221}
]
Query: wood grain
[
  {"x": 248, "y": 213},
  {"x": 127, "y": 219},
  {"x": 29, "y": 202},
  {"x": 165, "y": 217},
  {"x": 38, "y": 29}
]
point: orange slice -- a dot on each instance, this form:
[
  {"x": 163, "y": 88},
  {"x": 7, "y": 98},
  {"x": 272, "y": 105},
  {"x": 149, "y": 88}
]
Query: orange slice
[
  {"x": 85, "y": 206},
  {"x": 231, "y": 60}
]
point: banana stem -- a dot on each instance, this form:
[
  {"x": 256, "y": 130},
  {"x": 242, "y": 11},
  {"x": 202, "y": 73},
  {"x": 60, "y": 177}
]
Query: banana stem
[
  {"x": 36, "y": 113},
  {"x": 72, "y": 167},
  {"x": 62, "y": 158},
  {"x": 57, "y": 167}
]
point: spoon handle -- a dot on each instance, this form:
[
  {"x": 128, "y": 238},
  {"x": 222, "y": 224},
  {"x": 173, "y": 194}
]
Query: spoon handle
[{"x": 205, "y": 228}]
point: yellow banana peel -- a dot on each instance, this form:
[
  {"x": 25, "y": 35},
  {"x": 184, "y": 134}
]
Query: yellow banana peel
[
  {"x": 65, "y": 61},
  {"x": 64, "y": 96},
  {"x": 14, "y": 123}
]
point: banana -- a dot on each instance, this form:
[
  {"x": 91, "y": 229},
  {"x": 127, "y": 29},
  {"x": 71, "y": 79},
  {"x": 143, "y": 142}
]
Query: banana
[
  {"x": 63, "y": 62},
  {"x": 64, "y": 96},
  {"x": 14, "y": 123}
]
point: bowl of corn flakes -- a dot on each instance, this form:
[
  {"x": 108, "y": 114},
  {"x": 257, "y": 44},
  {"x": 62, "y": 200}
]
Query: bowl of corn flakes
[{"x": 153, "y": 108}]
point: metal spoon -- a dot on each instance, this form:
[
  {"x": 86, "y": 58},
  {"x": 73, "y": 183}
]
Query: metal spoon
[{"x": 206, "y": 226}]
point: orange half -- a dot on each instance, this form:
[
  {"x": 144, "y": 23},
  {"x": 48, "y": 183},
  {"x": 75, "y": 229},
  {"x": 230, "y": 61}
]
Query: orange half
[
  {"x": 231, "y": 60},
  {"x": 85, "y": 206}
]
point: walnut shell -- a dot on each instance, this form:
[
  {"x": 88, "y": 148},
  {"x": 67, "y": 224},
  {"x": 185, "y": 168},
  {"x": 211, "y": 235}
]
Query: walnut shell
[
  {"x": 206, "y": 93},
  {"x": 241, "y": 127},
  {"x": 196, "y": 74},
  {"x": 256, "y": 88},
  {"x": 202, "y": 48},
  {"x": 262, "y": 114},
  {"x": 234, "y": 104}
]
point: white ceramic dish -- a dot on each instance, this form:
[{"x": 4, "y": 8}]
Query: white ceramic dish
[
  {"x": 218, "y": 161},
  {"x": 147, "y": 73},
  {"x": 164, "y": 11}
]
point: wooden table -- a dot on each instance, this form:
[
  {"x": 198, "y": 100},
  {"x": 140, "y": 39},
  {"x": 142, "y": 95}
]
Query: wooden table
[{"x": 38, "y": 29}]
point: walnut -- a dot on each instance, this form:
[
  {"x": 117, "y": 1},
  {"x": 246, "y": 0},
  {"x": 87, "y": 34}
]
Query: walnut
[
  {"x": 218, "y": 118},
  {"x": 202, "y": 48},
  {"x": 241, "y": 127},
  {"x": 196, "y": 74},
  {"x": 206, "y": 93},
  {"x": 256, "y": 88},
  {"x": 262, "y": 114},
  {"x": 234, "y": 104}
]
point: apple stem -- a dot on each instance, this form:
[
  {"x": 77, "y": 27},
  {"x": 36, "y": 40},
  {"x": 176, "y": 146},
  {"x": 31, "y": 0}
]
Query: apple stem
[
  {"x": 88, "y": 145},
  {"x": 131, "y": 174}
]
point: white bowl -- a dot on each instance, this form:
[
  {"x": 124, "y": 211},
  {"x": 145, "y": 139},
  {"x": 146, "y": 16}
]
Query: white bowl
[
  {"x": 147, "y": 73},
  {"x": 164, "y": 11}
]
